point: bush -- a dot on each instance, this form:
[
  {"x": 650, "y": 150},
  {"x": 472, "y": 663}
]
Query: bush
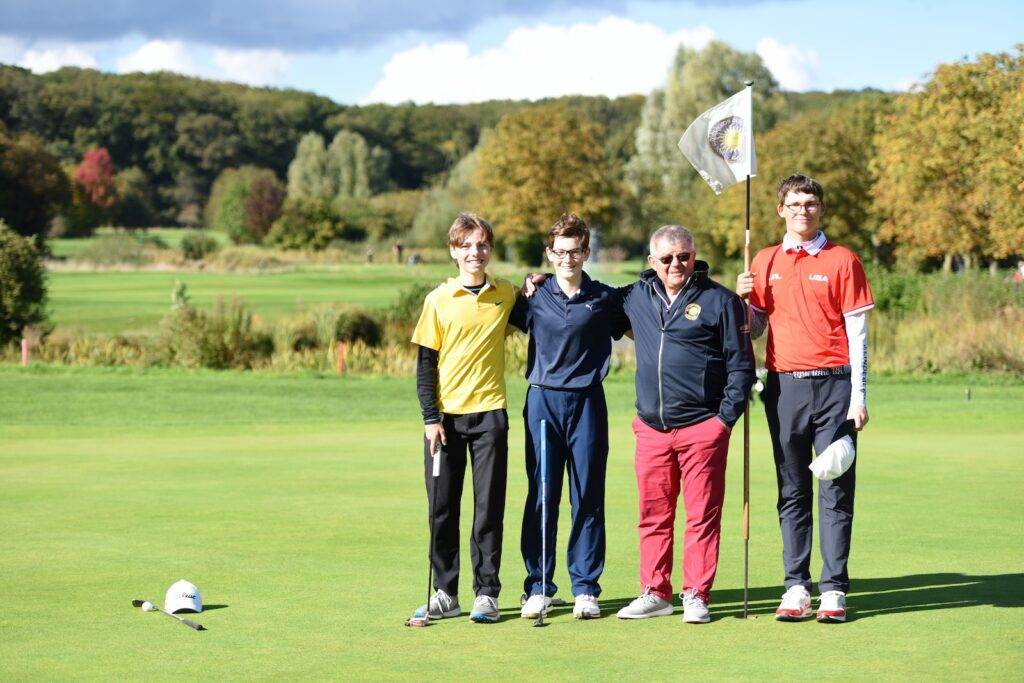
[
  {"x": 244, "y": 202},
  {"x": 352, "y": 326},
  {"x": 220, "y": 339},
  {"x": 196, "y": 246},
  {"x": 22, "y": 285},
  {"x": 305, "y": 224}
]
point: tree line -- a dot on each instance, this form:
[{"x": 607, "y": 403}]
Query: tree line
[{"x": 913, "y": 179}]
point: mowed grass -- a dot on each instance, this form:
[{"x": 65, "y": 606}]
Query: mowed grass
[
  {"x": 114, "y": 301},
  {"x": 297, "y": 505},
  {"x": 134, "y": 301}
]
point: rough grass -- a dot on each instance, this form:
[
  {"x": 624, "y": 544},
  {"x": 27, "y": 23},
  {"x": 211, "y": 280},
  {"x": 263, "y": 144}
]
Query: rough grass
[{"x": 296, "y": 503}]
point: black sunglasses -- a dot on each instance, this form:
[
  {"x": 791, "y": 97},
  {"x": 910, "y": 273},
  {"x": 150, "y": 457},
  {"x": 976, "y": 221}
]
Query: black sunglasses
[{"x": 667, "y": 260}]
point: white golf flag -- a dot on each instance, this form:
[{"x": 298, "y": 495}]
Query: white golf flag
[{"x": 720, "y": 142}]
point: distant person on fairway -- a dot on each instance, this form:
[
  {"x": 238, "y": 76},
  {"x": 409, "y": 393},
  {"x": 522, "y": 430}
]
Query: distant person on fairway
[
  {"x": 813, "y": 296},
  {"x": 694, "y": 368},
  {"x": 460, "y": 382},
  {"x": 571, "y": 320}
]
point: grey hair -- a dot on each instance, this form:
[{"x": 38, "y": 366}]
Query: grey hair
[{"x": 673, "y": 234}]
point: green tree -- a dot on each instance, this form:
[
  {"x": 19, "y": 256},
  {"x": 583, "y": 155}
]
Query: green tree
[
  {"x": 33, "y": 186},
  {"x": 443, "y": 202},
  {"x": 244, "y": 202},
  {"x": 542, "y": 162},
  {"x": 347, "y": 166},
  {"x": 22, "y": 285},
  {"x": 659, "y": 177},
  {"x": 307, "y": 174}
]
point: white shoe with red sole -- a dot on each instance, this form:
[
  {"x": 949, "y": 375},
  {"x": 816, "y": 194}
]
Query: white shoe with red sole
[
  {"x": 832, "y": 607},
  {"x": 795, "y": 605}
]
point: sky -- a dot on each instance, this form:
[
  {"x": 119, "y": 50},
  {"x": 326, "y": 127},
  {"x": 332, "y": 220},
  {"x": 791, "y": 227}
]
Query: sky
[{"x": 451, "y": 51}]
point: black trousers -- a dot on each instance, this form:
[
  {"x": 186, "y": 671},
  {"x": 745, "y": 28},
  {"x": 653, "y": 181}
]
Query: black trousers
[
  {"x": 802, "y": 413},
  {"x": 485, "y": 437}
]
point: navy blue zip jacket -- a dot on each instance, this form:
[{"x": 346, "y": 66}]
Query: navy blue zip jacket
[{"x": 693, "y": 361}]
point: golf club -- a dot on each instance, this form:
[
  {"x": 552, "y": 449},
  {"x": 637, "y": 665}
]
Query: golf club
[
  {"x": 417, "y": 621},
  {"x": 156, "y": 608},
  {"x": 543, "y": 520}
]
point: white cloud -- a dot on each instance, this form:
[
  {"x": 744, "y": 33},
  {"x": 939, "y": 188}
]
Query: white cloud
[
  {"x": 42, "y": 58},
  {"x": 794, "y": 68},
  {"x": 613, "y": 57},
  {"x": 159, "y": 55},
  {"x": 255, "y": 67}
]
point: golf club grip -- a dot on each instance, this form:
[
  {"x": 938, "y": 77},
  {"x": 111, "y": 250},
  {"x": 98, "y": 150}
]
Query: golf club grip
[
  {"x": 192, "y": 624},
  {"x": 437, "y": 460}
]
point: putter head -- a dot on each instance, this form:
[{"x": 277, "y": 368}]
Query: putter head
[
  {"x": 539, "y": 621},
  {"x": 417, "y": 622}
]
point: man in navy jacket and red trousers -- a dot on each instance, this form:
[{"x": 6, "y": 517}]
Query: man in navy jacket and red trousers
[{"x": 695, "y": 367}]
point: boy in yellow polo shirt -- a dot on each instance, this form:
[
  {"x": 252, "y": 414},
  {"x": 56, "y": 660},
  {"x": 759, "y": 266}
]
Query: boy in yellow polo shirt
[{"x": 460, "y": 382}]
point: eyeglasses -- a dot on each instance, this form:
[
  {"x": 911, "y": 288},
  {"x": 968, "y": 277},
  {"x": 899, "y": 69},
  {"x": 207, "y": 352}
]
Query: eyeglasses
[
  {"x": 811, "y": 207},
  {"x": 667, "y": 260},
  {"x": 573, "y": 254}
]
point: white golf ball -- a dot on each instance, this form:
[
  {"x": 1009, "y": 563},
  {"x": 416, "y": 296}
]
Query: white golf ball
[{"x": 148, "y": 607}]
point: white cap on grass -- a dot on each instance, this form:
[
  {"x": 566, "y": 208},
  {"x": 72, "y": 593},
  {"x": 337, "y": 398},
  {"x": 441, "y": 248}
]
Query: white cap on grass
[
  {"x": 183, "y": 597},
  {"x": 833, "y": 462}
]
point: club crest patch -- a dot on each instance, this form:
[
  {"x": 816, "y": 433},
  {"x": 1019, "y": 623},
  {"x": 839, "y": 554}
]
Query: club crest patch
[{"x": 692, "y": 311}]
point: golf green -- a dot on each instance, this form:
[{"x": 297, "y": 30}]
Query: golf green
[{"x": 296, "y": 504}]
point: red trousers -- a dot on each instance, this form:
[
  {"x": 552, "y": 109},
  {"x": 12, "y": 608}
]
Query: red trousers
[{"x": 695, "y": 455}]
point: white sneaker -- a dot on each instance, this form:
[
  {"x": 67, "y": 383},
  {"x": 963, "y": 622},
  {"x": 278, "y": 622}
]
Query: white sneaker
[
  {"x": 695, "y": 610},
  {"x": 485, "y": 610},
  {"x": 647, "y": 605},
  {"x": 586, "y": 607},
  {"x": 795, "y": 605},
  {"x": 534, "y": 604},
  {"x": 832, "y": 607},
  {"x": 441, "y": 605}
]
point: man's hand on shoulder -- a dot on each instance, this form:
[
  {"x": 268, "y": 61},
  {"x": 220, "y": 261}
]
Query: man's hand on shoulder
[
  {"x": 745, "y": 284},
  {"x": 531, "y": 282},
  {"x": 859, "y": 415}
]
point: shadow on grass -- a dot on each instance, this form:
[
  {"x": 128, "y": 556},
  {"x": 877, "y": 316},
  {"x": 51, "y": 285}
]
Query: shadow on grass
[
  {"x": 207, "y": 608},
  {"x": 869, "y": 597},
  {"x": 881, "y": 596}
]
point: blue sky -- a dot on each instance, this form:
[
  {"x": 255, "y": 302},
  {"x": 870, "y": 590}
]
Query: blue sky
[{"x": 448, "y": 51}]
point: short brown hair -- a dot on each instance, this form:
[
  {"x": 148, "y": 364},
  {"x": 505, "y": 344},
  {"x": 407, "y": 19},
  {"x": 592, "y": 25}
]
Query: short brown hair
[
  {"x": 570, "y": 225},
  {"x": 466, "y": 223},
  {"x": 798, "y": 182}
]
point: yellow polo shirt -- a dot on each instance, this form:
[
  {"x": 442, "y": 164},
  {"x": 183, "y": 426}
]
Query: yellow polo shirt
[{"x": 468, "y": 332}]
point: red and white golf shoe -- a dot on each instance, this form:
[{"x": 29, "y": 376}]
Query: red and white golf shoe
[
  {"x": 832, "y": 607},
  {"x": 795, "y": 605}
]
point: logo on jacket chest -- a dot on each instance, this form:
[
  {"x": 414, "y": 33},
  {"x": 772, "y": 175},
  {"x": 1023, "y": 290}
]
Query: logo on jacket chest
[{"x": 692, "y": 311}]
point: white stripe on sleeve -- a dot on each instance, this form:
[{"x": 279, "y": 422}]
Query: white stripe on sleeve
[{"x": 857, "y": 340}]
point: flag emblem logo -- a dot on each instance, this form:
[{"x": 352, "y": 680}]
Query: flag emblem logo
[{"x": 726, "y": 138}]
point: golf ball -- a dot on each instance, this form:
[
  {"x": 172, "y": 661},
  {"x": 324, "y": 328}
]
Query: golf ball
[{"x": 148, "y": 607}]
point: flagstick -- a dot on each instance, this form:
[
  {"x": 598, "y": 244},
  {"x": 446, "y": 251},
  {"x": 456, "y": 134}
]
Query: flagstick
[{"x": 746, "y": 404}]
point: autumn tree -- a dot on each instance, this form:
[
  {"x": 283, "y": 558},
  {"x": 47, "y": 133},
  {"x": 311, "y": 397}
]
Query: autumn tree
[
  {"x": 834, "y": 145},
  {"x": 949, "y": 164},
  {"x": 244, "y": 203},
  {"x": 539, "y": 163}
]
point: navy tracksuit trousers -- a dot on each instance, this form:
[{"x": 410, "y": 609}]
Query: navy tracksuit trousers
[
  {"x": 577, "y": 443},
  {"x": 802, "y": 413}
]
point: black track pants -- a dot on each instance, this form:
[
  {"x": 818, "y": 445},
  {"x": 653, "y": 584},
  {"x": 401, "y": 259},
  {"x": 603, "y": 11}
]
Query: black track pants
[{"x": 485, "y": 437}]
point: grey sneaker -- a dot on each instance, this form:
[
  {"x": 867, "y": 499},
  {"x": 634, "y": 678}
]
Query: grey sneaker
[
  {"x": 647, "y": 605},
  {"x": 533, "y": 606},
  {"x": 695, "y": 610},
  {"x": 586, "y": 607},
  {"x": 442, "y": 605},
  {"x": 485, "y": 610}
]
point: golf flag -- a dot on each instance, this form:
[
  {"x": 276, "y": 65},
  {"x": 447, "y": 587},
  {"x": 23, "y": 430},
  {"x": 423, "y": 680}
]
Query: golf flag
[{"x": 720, "y": 142}]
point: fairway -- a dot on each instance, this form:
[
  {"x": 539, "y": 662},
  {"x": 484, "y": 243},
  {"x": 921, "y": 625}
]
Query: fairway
[
  {"x": 296, "y": 504},
  {"x": 115, "y": 301}
]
